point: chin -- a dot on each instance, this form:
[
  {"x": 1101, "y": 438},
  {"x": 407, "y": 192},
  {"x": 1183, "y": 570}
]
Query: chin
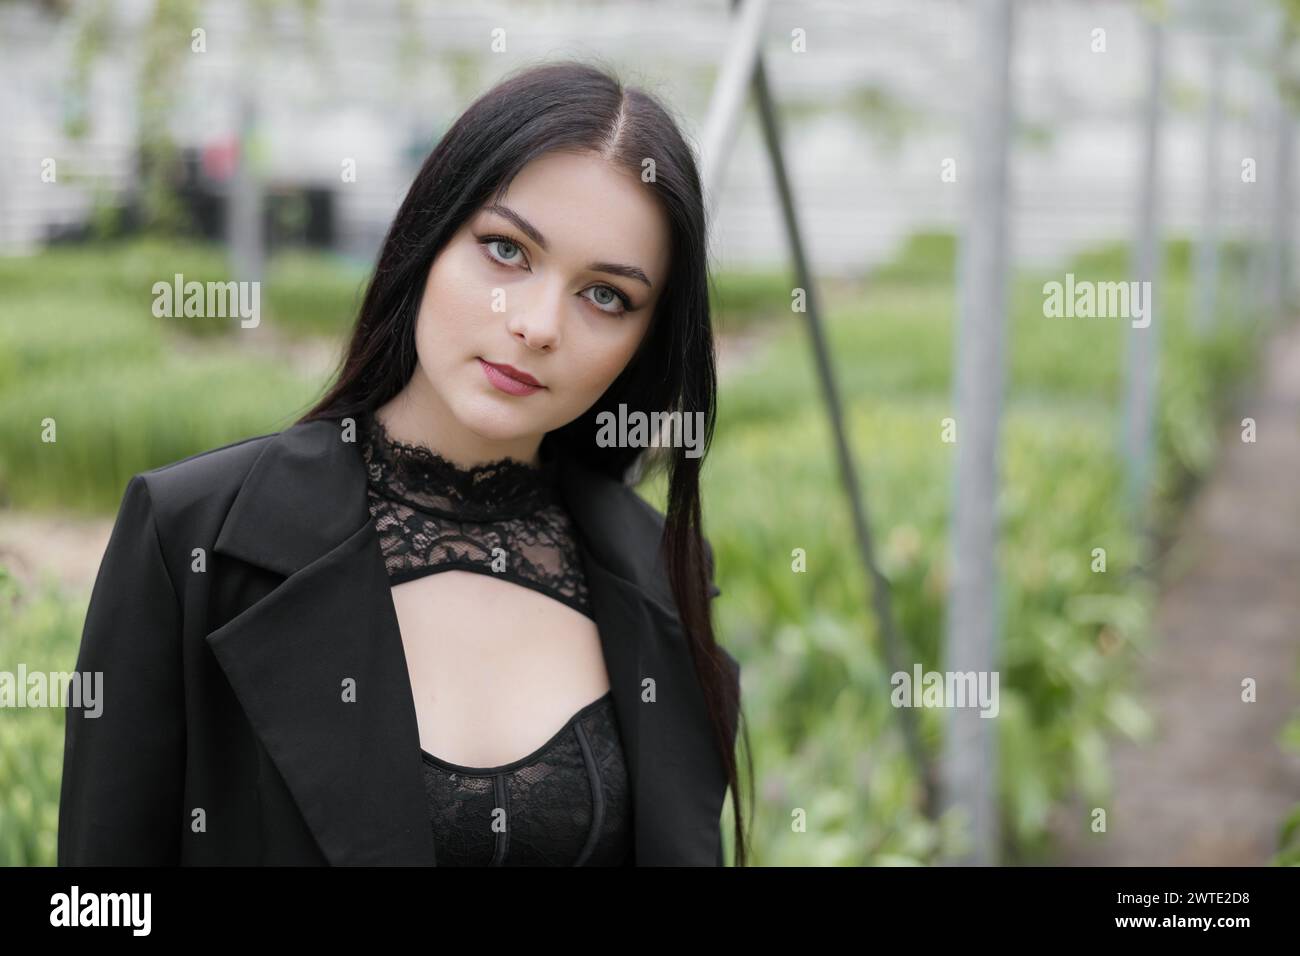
[{"x": 492, "y": 422}]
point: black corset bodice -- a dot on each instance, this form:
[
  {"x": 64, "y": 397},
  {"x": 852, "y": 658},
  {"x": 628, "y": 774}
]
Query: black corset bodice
[{"x": 568, "y": 803}]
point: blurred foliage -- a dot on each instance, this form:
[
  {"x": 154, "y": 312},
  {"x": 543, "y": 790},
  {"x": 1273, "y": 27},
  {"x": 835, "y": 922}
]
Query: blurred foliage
[
  {"x": 166, "y": 41},
  {"x": 1286, "y": 63},
  {"x": 882, "y": 114},
  {"x": 41, "y": 628},
  {"x": 1288, "y": 843},
  {"x": 923, "y": 257},
  {"x": 160, "y": 168},
  {"x": 1036, "y": 135},
  {"x": 816, "y": 688},
  {"x": 93, "y": 31},
  {"x": 128, "y": 391},
  {"x": 874, "y": 108},
  {"x": 740, "y": 299}
]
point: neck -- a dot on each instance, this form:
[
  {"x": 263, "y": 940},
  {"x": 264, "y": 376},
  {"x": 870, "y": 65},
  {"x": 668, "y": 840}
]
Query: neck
[{"x": 416, "y": 415}]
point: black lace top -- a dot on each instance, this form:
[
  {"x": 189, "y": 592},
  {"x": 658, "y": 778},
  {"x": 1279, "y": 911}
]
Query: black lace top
[
  {"x": 504, "y": 518},
  {"x": 568, "y": 803}
]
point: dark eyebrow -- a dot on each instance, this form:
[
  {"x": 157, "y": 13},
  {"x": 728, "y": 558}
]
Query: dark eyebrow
[{"x": 532, "y": 232}]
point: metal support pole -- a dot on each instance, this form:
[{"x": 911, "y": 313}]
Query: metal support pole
[
  {"x": 970, "y": 764},
  {"x": 744, "y": 64},
  {"x": 1142, "y": 344},
  {"x": 1207, "y": 249}
]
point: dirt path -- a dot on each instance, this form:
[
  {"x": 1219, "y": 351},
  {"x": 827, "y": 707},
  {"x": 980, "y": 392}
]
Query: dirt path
[
  {"x": 1213, "y": 785},
  {"x": 37, "y": 547}
]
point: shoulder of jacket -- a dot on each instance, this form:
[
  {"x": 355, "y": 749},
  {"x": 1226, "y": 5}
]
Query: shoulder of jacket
[
  {"x": 656, "y": 519},
  {"x": 651, "y": 523},
  {"x": 202, "y": 479},
  {"x": 644, "y": 511}
]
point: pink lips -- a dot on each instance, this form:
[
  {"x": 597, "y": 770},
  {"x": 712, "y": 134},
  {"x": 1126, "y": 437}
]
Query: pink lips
[{"x": 502, "y": 377}]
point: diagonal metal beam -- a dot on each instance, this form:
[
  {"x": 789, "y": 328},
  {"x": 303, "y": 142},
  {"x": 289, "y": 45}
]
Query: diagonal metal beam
[{"x": 744, "y": 67}]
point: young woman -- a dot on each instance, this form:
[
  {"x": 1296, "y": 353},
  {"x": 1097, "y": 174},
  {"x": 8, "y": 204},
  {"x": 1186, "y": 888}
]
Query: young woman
[{"x": 430, "y": 622}]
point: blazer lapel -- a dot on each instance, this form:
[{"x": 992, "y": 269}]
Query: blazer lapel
[
  {"x": 318, "y": 664},
  {"x": 319, "y": 667},
  {"x": 678, "y": 779}
]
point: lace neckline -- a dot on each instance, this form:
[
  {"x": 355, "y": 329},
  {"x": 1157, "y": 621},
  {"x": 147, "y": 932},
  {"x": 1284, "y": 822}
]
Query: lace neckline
[{"x": 416, "y": 475}]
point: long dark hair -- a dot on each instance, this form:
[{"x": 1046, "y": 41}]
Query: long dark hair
[{"x": 579, "y": 107}]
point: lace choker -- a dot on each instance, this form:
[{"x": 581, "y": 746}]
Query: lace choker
[{"x": 421, "y": 478}]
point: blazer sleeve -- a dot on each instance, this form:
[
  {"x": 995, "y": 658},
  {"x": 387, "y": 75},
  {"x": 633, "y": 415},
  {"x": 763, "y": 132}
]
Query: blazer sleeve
[{"x": 122, "y": 788}]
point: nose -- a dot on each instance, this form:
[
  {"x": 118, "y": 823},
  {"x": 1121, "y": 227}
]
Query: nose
[{"x": 536, "y": 320}]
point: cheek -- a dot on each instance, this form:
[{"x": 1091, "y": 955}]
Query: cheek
[
  {"x": 603, "y": 358},
  {"x": 453, "y": 303}
]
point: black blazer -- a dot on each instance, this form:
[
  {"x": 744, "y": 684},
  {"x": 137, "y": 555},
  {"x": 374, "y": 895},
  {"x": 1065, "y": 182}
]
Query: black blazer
[{"x": 242, "y": 586}]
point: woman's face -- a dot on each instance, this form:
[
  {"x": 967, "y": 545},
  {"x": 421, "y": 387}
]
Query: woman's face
[{"x": 559, "y": 282}]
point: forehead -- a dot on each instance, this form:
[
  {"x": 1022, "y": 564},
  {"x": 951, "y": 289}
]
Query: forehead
[{"x": 588, "y": 209}]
